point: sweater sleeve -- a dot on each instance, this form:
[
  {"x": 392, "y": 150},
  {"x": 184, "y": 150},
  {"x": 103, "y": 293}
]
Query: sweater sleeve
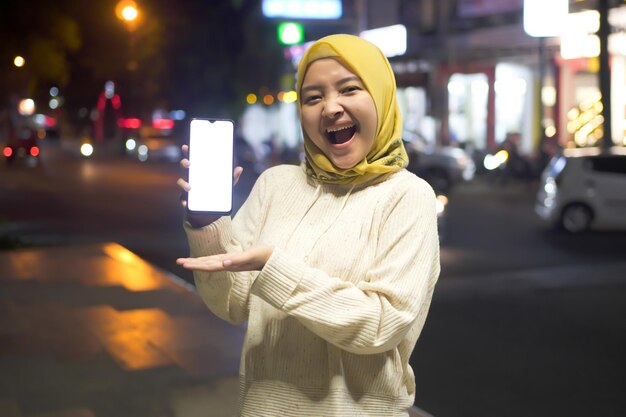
[
  {"x": 227, "y": 293},
  {"x": 375, "y": 314}
]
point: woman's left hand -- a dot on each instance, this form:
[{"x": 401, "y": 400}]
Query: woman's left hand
[{"x": 252, "y": 259}]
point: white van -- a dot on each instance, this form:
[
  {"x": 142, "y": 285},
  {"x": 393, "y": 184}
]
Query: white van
[{"x": 584, "y": 189}]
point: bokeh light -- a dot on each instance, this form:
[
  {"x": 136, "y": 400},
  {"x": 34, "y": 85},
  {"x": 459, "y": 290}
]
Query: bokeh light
[{"x": 19, "y": 61}]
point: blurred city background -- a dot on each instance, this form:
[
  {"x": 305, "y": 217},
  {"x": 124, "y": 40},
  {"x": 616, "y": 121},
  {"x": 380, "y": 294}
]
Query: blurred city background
[{"x": 513, "y": 110}]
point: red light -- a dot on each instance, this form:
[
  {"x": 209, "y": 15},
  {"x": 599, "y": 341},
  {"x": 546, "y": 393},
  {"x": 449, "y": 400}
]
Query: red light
[
  {"x": 7, "y": 152},
  {"x": 130, "y": 123},
  {"x": 116, "y": 102},
  {"x": 50, "y": 121},
  {"x": 165, "y": 124},
  {"x": 34, "y": 151},
  {"x": 102, "y": 101}
]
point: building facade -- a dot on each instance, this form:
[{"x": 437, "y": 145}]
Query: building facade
[{"x": 471, "y": 75}]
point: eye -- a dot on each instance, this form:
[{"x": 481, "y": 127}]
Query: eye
[
  {"x": 351, "y": 89},
  {"x": 312, "y": 99}
]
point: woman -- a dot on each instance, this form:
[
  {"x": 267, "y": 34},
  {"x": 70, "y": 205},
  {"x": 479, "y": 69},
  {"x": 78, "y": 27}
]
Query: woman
[{"x": 332, "y": 264}]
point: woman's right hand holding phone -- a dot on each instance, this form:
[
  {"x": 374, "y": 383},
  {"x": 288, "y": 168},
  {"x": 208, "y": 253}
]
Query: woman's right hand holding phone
[{"x": 198, "y": 220}]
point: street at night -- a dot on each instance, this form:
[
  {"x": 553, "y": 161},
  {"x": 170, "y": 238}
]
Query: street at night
[
  {"x": 512, "y": 111},
  {"x": 525, "y": 320}
]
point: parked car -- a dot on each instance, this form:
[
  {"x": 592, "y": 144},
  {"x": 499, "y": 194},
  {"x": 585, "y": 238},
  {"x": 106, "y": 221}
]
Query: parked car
[
  {"x": 584, "y": 189},
  {"x": 442, "y": 166},
  {"x": 22, "y": 146}
]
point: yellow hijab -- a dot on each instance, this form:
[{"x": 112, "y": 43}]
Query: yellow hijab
[{"x": 370, "y": 64}]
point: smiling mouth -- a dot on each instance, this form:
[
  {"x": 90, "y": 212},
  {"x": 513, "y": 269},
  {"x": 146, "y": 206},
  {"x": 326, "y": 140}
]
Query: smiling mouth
[{"x": 337, "y": 136}]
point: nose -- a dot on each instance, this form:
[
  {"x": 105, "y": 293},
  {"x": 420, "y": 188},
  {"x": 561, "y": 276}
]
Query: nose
[{"x": 332, "y": 108}]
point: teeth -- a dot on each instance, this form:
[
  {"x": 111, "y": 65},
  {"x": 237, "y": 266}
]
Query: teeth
[{"x": 337, "y": 129}]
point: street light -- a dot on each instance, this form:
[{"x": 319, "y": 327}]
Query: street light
[
  {"x": 128, "y": 12},
  {"x": 19, "y": 61}
]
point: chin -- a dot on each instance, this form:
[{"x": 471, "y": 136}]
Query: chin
[{"x": 345, "y": 164}]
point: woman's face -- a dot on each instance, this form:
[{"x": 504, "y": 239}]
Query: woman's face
[{"x": 338, "y": 113}]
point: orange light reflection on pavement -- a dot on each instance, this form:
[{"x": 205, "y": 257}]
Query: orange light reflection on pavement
[
  {"x": 134, "y": 273},
  {"x": 128, "y": 336},
  {"x": 76, "y": 321}
]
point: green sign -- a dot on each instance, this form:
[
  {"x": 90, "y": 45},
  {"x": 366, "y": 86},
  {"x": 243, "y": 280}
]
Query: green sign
[{"x": 290, "y": 33}]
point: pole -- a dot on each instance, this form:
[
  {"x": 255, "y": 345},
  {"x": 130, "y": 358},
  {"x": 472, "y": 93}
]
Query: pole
[
  {"x": 447, "y": 59},
  {"x": 605, "y": 72},
  {"x": 362, "y": 15},
  {"x": 542, "y": 74},
  {"x": 132, "y": 70}
]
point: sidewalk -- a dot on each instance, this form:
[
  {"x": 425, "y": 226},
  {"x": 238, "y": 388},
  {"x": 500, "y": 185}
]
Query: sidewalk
[{"x": 95, "y": 331}]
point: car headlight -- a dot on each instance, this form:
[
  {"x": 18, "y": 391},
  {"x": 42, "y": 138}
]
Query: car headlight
[
  {"x": 131, "y": 144},
  {"x": 86, "y": 149},
  {"x": 142, "y": 153},
  {"x": 492, "y": 162},
  {"x": 550, "y": 187}
]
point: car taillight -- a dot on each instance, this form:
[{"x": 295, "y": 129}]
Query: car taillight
[
  {"x": 34, "y": 151},
  {"x": 129, "y": 123},
  {"x": 7, "y": 151}
]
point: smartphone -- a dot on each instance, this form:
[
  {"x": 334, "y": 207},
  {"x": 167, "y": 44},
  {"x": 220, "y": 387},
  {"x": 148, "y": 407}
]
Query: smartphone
[{"x": 211, "y": 158}]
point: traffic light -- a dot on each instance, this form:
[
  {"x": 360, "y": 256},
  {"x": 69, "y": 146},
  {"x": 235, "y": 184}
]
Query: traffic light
[{"x": 290, "y": 33}]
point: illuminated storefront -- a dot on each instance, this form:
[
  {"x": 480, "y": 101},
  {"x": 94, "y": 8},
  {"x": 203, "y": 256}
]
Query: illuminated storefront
[
  {"x": 487, "y": 103},
  {"x": 498, "y": 76},
  {"x": 580, "y": 106}
]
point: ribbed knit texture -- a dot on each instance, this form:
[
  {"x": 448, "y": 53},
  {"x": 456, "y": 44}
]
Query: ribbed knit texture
[{"x": 335, "y": 313}]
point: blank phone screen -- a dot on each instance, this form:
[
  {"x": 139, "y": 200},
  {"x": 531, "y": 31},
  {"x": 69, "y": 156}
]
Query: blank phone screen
[{"x": 211, "y": 166}]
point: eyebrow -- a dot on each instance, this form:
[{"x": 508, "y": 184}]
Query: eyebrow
[{"x": 342, "y": 81}]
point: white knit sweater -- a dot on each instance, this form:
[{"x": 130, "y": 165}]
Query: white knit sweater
[{"x": 336, "y": 311}]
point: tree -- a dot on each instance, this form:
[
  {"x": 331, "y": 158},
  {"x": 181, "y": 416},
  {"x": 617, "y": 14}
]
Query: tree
[
  {"x": 44, "y": 34},
  {"x": 192, "y": 54},
  {"x": 106, "y": 56}
]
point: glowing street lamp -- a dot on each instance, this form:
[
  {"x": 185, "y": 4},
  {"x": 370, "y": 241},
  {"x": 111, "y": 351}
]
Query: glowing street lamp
[
  {"x": 19, "y": 61},
  {"x": 128, "y": 12},
  {"x": 26, "y": 107}
]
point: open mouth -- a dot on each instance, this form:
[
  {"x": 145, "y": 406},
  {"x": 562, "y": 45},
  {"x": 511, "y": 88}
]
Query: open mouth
[{"x": 340, "y": 135}]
